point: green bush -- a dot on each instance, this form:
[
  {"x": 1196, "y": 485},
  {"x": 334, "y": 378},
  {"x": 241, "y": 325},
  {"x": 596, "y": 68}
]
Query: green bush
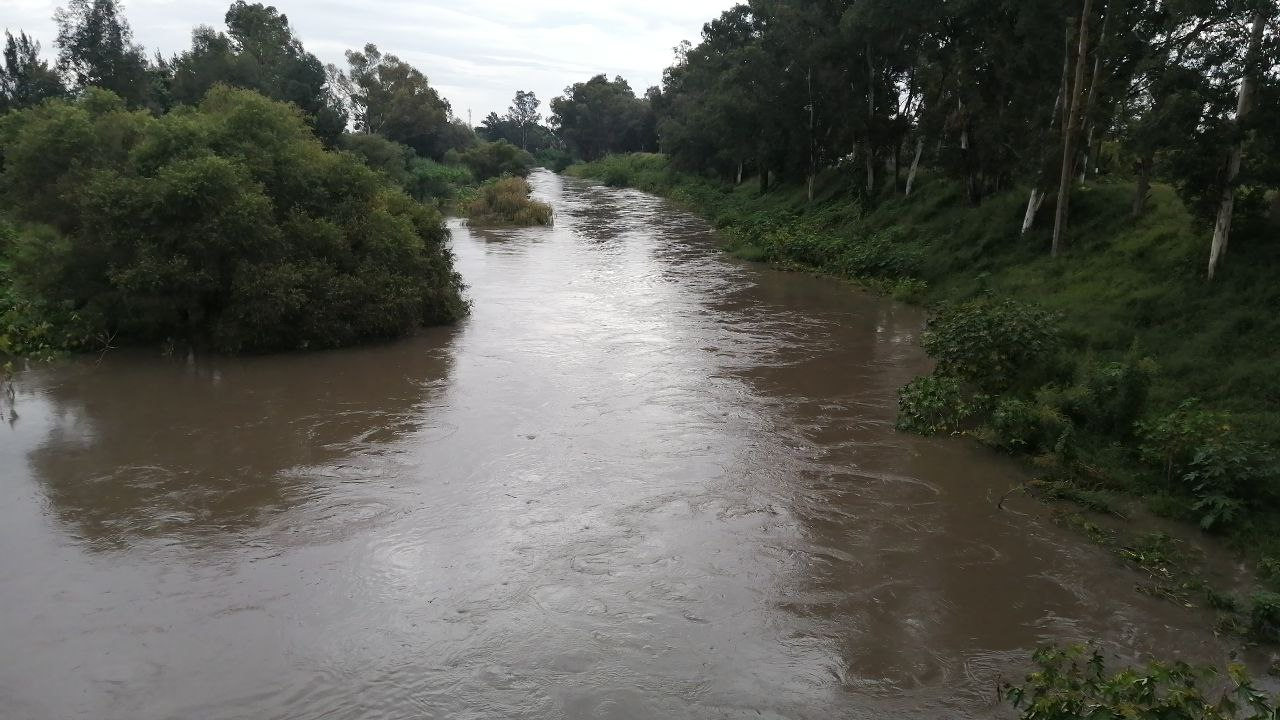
[
  {"x": 227, "y": 225},
  {"x": 489, "y": 160},
  {"x": 1029, "y": 427},
  {"x": 429, "y": 180},
  {"x": 553, "y": 159},
  {"x": 1200, "y": 452},
  {"x": 1111, "y": 397},
  {"x": 996, "y": 345},
  {"x": 506, "y": 201},
  {"x": 1072, "y": 683},
  {"x": 1264, "y": 616},
  {"x": 884, "y": 254},
  {"x": 932, "y": 404}
]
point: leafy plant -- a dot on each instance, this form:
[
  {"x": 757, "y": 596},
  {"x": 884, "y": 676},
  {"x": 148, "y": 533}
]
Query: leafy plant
[
  {"x": 995, "y": 345},
  {"x": 932, "y": 404},
  {"x": 1073, "y": 683}
]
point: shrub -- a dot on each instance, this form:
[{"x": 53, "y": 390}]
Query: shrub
[
  {"x": 1109, "y": 398},
  {"x": 932, "y": 404},
  {"x": 1264, "y": 616},
  {"x": 884, "y": 254},
  {"x": 489, "y": 160},
  {"x": 553, "y": 159},
  {"x": 1073, "y": 683},
  {"x": 505, "y": 201},
  {"x": 429, "y": 180},
  {"x": 227, "y": 225},
  {"x": 1201, "y": 453},
  {"x": 996, "y": 345},
  {"x": 1030, "y": 427}
]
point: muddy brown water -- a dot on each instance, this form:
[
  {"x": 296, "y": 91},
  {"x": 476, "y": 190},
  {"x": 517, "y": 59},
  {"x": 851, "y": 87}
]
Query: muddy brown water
[{"x": 642, "y": 480}]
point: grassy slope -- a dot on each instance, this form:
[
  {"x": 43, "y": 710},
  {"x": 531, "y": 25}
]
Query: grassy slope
[{"x": 1121, "y": 280}]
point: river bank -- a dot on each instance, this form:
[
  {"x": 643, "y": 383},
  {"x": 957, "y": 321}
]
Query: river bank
[{"x": 1158, "y": 386}]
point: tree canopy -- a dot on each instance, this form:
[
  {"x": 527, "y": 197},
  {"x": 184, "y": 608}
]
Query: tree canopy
[
  {"x": 602, "y": 116},
  {"x": 226, "y": 225}
]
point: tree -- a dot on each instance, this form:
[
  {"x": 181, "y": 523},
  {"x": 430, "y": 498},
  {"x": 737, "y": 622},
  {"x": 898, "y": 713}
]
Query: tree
[
  {"x": 393, "y": 99},
  {"x": 1244, "y": 107},
  {"x": 523, "y": 114},
  {"x": 260, "y": 52},
  {"x": 25, "y": 79},
  {"x": 96, "y": 49},
  {"x": 600, "y": 116}
]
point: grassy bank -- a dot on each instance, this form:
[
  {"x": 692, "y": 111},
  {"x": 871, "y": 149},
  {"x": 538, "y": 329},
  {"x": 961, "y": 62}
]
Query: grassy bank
[{"x": 1116, "y": 368}]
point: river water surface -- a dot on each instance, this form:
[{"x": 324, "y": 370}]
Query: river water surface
[{"x": 642, "y": 480}]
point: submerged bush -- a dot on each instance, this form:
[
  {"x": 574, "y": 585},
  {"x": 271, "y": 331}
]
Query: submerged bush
[
  {"x": 488, "y": 160},
  {"x": 932, "y": 404},
  {"x": 429, "y": 180},
  {"x": 227, "y": 225},
  {"x": 506, "y": 201},
  {"x": 1073, "y": 683}
]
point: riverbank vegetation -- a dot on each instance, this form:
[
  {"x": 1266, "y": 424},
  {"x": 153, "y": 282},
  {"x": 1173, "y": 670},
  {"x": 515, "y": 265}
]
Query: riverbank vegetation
[
  {"x": 1074, "y": 682},
  {"x": 1111, "y": 375},
  {"x": 1065, "y": 206}
]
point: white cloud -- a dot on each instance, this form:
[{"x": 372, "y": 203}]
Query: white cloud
[{"x": 477, "y": 54}]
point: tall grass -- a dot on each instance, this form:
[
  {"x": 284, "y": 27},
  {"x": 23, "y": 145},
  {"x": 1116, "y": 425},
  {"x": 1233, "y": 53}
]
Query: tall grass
[{"x": 506, "y": 201}]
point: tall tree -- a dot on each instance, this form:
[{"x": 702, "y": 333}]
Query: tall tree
[
  {"x": 1244, "y": 106},
  {"x": 260, "y": 52},
  {"x": 96, "y": 49},
  {"x": 524, "y": 115},
  {"x": 600, "y": 116},
  {"x": 392, "y": 98},
  {"x": 25, "y": 79}
]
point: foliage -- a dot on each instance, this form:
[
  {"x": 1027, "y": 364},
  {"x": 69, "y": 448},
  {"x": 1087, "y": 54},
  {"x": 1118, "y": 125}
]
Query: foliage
[
  {"x": 494, "y": 159},
  {"x": 429, "y": 180},
  {"x": 521, "y": 126},
  {"x": 393, "y": 99},
  {"x": 1200, "y": 452},
  {"x": 259, "y": 52},
  {"x": 1073, "y": 683},
  {"x": 602, "y": 116},
  {"x": 505, "y": 201},
  {"x": 96, "y": 49},
  {"x": 25, "y": 79},
  {"x": 227, "y": 225},
  {"x": 996, "y": 345},
  {"x": 934, "y": 403}
]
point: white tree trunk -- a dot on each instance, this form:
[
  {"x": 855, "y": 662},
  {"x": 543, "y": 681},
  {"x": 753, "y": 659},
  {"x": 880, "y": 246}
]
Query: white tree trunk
[
  {"x": 1033, "y": 206},
  {"x": 915, "y": 165},
  {"x": 1226, "y": 206},
  {"x": 1069, "y": 131}
]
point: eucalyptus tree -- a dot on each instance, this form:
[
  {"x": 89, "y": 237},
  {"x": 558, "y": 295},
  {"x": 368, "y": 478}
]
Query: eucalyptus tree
[{"x": 392, "y": 98}]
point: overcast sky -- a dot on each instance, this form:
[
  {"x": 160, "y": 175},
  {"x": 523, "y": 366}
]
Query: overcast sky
[{"x": 477, "y": 54}]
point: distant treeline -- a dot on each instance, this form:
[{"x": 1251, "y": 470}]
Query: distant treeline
[
  {"x": 1040, "y": 94},
  {"x": 242, "y": 195}
]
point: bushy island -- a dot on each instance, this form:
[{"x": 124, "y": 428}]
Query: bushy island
[
  {"x": 226, "y": 225},
  {"x": 239, "y": 196}
]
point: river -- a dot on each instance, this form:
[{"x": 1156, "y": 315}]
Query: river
[{"x": 641, "y": 480}]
